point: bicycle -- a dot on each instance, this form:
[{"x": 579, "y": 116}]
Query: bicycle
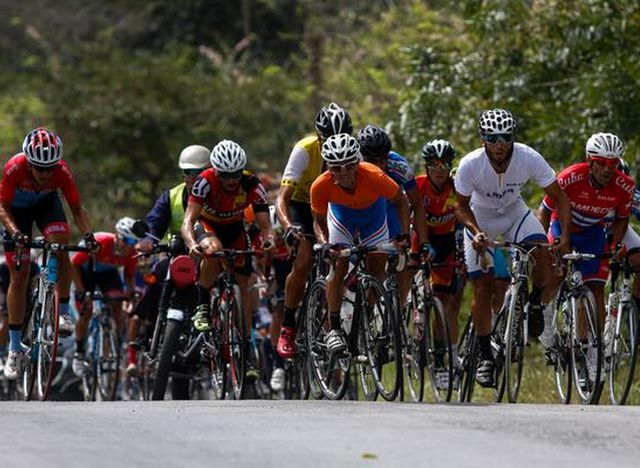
[
  {"x": 40, "y": 329},
  {"x": 103, "y": 342},
  {"x": 577, "y": 336},
  {"x": 424, "y": 319},
  {"x": 373, "y": 339},
  {"x": 620, "y": 336}
]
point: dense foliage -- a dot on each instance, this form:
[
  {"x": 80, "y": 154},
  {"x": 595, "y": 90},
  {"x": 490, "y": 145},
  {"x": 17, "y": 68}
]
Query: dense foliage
[{"x": 128, "y": 84}]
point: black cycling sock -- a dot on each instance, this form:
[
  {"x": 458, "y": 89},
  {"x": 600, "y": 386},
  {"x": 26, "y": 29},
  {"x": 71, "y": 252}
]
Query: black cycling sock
[
  {"x": 335, "y": 320},
  {"x": 80, "y": 347},
  {"x": 484, "y": 344},
  {"x": 204, "y": 295},
  {"x": 289, "y": 318}
]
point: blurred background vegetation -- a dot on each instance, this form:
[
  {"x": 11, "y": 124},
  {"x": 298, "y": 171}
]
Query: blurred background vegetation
[{"x": 128, "y": 84}]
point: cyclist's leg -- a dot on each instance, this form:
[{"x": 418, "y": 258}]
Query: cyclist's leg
[
  {"x": 373, "y": 228},
  {"x": 209, "y": 241},
  {"x": 112, "y": 285}
]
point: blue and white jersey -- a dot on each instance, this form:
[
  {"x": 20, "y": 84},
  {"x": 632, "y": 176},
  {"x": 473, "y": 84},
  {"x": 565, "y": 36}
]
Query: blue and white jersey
[
  {"x": 635, "y": 204},
  {"x": 400, "y": 171}
]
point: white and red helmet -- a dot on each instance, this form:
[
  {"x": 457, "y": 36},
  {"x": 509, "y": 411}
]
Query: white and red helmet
[{"x": 42, "y": 147}]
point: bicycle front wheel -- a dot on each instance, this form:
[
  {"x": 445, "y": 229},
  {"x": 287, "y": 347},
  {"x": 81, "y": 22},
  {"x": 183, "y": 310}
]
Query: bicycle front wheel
[
  {"x": 412, "y": 345},
  {"x": 561, "y": 353},
  {"x": 586, "y": 352},
  {"x": 514, "y": 344},
  {"x": 467, "y": 359},
  {"x": 235, "y": 340},
  {"x": 108, "y": 365},
  {"x": 438, "y": 353},
  {"x": 623, "y": 350},
  {"x": 47, "y": 342}
]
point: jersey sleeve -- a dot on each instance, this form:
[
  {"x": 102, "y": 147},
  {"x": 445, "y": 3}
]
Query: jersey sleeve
[
  {"x": 130, "y": 266},
  {"x": 319, "y": 196},
  {"x": 387, "y": 186},
  {"x": 296, "y": 165},
  {"x": 68, "y": 186},
  {"x": 200, "y": 190},
  {"x": 623, "y": 210},
  {"x": 542, "y": 173},
  {"x": 464, "y": 179},
  {"x": 79, "y": 258},
  {"x": 8, "y": 185},
  {"x": 258, "y": 198}
]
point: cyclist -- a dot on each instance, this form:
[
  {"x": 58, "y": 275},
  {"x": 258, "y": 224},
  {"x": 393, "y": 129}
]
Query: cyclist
[
  {"x": 305, "y": 164},
  {"x": 488, "y": 182},
  {"x": 213, "y": 221},
  {"x": 375, "y": 148},
  {"x": 599, "y": 194},
  {"x": 438, "y": 198},
  {"x": 349, "y": 201},
  {"x": 164, "y": 221},
  {"x": 28, "y": 194},
  {"x": 116, "y": 250}
]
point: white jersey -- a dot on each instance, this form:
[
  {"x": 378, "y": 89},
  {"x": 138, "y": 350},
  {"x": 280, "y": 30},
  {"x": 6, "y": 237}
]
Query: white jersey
[{"x": 498, "y": 193}]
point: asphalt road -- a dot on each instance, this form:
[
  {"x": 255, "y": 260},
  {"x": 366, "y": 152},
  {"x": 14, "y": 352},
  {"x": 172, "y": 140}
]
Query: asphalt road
[{"x": 315, "y": 433}]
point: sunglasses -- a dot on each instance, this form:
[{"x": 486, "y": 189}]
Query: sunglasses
[
  {"x": 191, "y": 172},
  {"x": 230, "y": 175},
  {"x": 45, "y": 169},
  {"x": 435, "y": 164},
  {"x": 129, "y": 240},
  {"x": 343, "y": 167},
  {"x": 606, "y": 162},
  {"x": 494, "y": 138}
]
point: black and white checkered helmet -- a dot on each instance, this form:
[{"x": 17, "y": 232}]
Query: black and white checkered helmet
[{"x": 497, "y": 121}]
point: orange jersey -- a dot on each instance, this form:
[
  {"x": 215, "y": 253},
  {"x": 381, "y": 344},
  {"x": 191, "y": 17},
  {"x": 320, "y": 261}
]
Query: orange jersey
[
  {"x": 371, "y": 184},
  {"x": 439, "y": 208}
]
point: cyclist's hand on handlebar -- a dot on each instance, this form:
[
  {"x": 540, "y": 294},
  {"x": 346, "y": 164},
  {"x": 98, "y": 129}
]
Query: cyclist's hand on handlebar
[
  {"x": 480, "y": 241},
  {"x": 17, "y": 240},
  {"x": 268, "y": 243},
  {"x": 292, "y": 235},
  {"x": 618, "y": 251},
  {"x": 562, "y": 245},
  {"x": 196, "y": 250},
  {"x": 401, "y": 241},
  {"x": 145, "y": 245},
  {"x": 427, "y": 251},
  {"x": 90, "y": 242}
]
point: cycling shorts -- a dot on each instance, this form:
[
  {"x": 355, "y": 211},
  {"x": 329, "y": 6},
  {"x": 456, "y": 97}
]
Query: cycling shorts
[
  {"x": 281, "y": 269},
  {"x": 47, "y": 213},
  {"x": 631, "y": 240},
  {"x": 518, "y": 224},
  {"x": 107, "y": 280},
  {"x": 232, "y": 236},
  {"x": 368, "y": 225},
  {"x": 591, "y": 240},
  {"x": 300, "y": 215}
]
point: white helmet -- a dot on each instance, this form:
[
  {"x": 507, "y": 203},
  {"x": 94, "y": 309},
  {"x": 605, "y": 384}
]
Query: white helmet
[
  {"x": 341, "y": 149},
  {"x": 497, "y": 121},
  {"x": 42, "y": 147},
  {"x": 194, "y": 157},
  {"x": 604, "y": 145},
  {"x": 228, "y": 156},
  {"x": 123, "y": 228}
]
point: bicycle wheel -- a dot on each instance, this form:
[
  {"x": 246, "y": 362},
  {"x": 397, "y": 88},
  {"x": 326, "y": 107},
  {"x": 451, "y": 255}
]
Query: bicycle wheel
[
  {"x": 30, "y": 338},
  {"x": 411, "y": 339},
  {"x": 467, "y": 349},
  {"x": 498, "y": 345},
  {"x": 47, "y": 342},
  {"x": 623, "y": 350},
  {"x": 438, "y": 353},
  {"x": 235, "y": 341},
  {"x": 108, "y": 365},
  {"x": 364, "y": 375},
  {"x": 330, "y": 372},
  {"x": 168, "y": 350},
  {"x": 586, "y": 352},
  {"x": 561, "y": 352},
  {"x": 216, "y": 348},
  {"x": 514, "y": 343},
  {"x": 381, "y": 336}
]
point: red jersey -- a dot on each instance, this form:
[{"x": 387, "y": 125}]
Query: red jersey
[
  {"x": 107, "y": 257},
  {"x": 591, "y": 206},
  {"x": 439, "y": 208},
  {"x": 221, "y": 207},
  {"x": 19, "y": 189}
]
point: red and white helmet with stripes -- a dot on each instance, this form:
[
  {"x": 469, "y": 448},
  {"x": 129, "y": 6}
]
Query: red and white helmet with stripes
[{"x": 42, "y": 147}]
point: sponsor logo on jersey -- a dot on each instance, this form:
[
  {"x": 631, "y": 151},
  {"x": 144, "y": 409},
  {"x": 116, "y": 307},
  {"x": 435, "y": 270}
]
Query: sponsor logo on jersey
[{"x": 570, "y": 179}]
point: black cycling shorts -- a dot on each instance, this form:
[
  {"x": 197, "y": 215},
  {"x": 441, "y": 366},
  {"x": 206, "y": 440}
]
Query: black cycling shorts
[
  {"x": 300, "y": 215},
  {"x": 108, "y": 281},
  {"x": 232, "y": 236},
  {"x": 47, "y": 213}
]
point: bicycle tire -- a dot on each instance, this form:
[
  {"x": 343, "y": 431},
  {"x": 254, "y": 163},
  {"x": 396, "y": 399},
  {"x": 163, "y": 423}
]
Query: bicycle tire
[
  {"x": 588, "y": 388},
  {"x": 514, "y": 344},
  {"x": 563, "y": 368},
  {"x": 498, "y": 347},
  {"x": 30, "y": 334},
  {"x": 168, "y": 349},
  {"x": 381, "y": 336},
  {"x": 108, "y": 366},
  {"x": 47, "y": 342},
  {"x": 436, "y": 324},
  {"x": 623, "y": 350},
  {"x": 236, "y": 340},
  {"x": 467, "y": 349},
  {"x": 330, "y": 372},
  {"x": 217, "y": 361}
]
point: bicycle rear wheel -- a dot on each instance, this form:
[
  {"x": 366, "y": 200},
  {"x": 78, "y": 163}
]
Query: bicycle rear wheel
[
  {"x": 438, "y": 353},
  {"x": 108, "y": 365},
  {"x": 586, "y": 352},
  {"x": 47, "y": 342},
  {"x": 330, "y": 372},
  {"x": 381, "y": 336},
  {"x": 561, "y": 352},
  {"x": 467, "y": 358},
  {"x": 624, "y": 353},
  {"x": 514, "y": 344}
]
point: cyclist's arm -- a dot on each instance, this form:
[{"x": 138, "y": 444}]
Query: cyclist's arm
[
  {"x": 402, "y": 205},
  {"x": 190, "y": 217},
  {"x": 76, "y": 277},
  {"x": 544, "y": 215},
  {"x": 563, "y": 211},
  {"x": 160, "y": 215},
  {"x": 264, "y": 223},
  {"x": 465, "y": 215},
  {"x": 419, "y": 218},
  {"x": 81, "y": 218},
  {"x": 5, "y": 217},
  {"x": 618, "y": 230},
  {"x": 282, "y": 205},
  {"x": 320, "y": 227}
]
